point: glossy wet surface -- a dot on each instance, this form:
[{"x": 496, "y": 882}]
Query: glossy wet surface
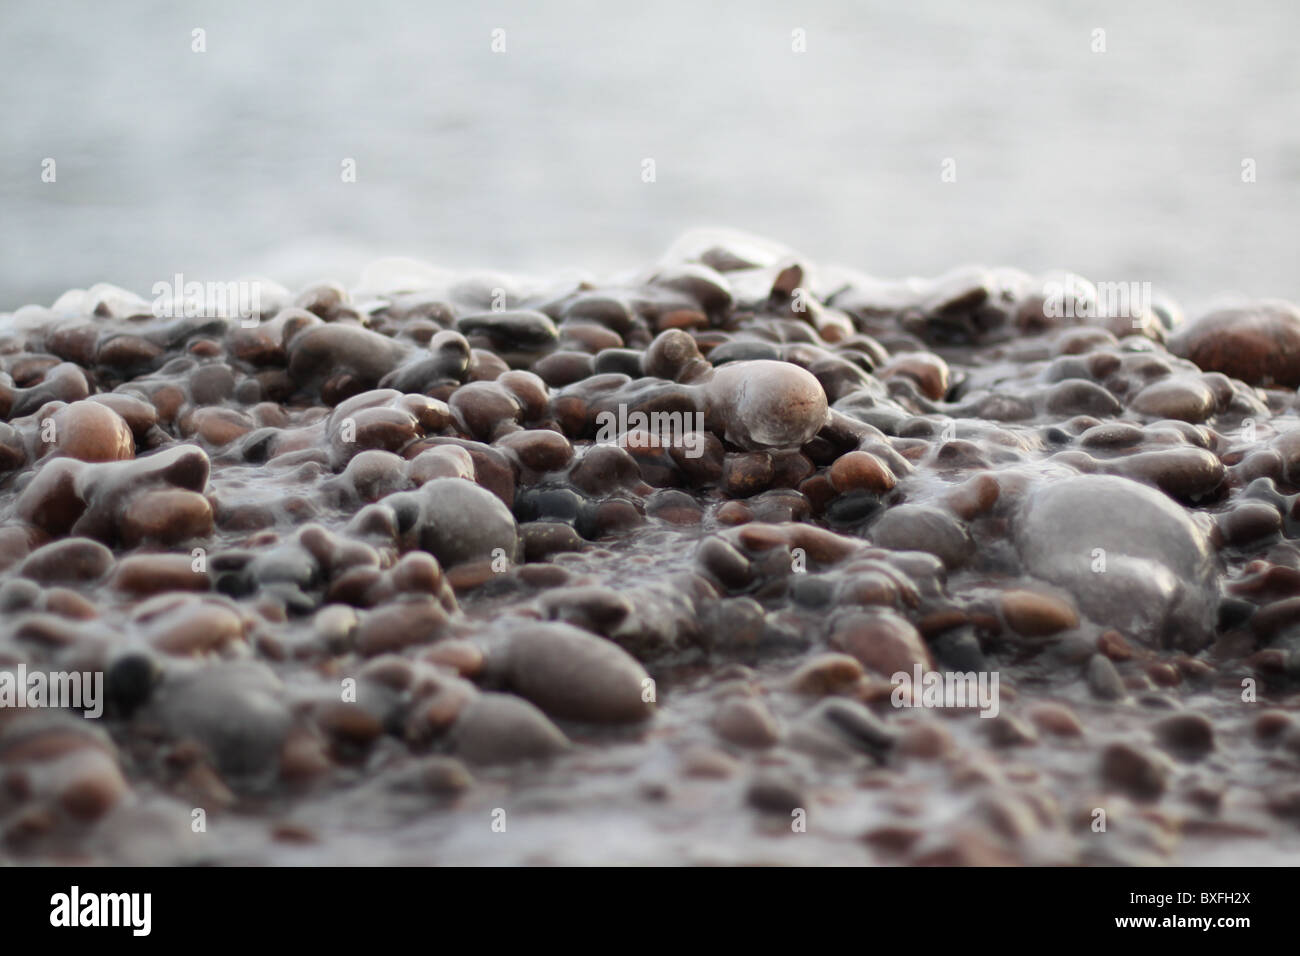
[{"x": 365, "y": 587}]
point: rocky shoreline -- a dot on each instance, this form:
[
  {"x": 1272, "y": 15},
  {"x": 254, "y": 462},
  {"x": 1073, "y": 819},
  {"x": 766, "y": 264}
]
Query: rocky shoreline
[{"x": 653, "y": 569}]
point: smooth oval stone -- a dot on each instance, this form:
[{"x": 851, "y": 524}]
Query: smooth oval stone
[
  {"x": 1140, "y": 773},
  {"x": 764, "y": 404},
  {"x": 1056, "y": 719},
  {"x": 343, "y": 359},
  {"x": 461, "y": 522},
  {"x": 928, "y": 371},
  {"x": 673, "y": 355},
  {"x": 564, "y": 368},
  {"x": 1188, "y": 473},
  {"x": 539, "y": 450},
  {"x": 1258, "y": 343},
  {"x": 542, "y": 539},
  {"x": 881, "y": 640},
  {"x": 70, "y": 561},
  {"x": 1104, "y": 680},
  {"x": 617, "y": 361},
  {"x": 1132, "y": 558},
  {"x": 167, "y": 516},
  {"x": 408, "y": 622},
  {"x": 374, "y": 474},
  {"x": 826, "y": 674},
  {"x": 91, "y": 431},
  {"x": 777, "y": 792},
  {"x": 1035, "y": 614},
  {"x": 909, "y": 527},
  {"x": 188, "y": 626},
  {"x": 1182, "y": 398},
  {"x": 573, "y": 674},
  {"x": 502, "y": 728},
  {"x": 745, "y": 722},
  {"x": 1188, "y": 735},
  {"x": 514, "y": 334},
  {"x": 145, "y": 574},
  {"x": 861, "y": 471},
  {"x": 236, "y": 711},
  {"x": 484, "y": 407},
  {"x": 441, "y": 461}
]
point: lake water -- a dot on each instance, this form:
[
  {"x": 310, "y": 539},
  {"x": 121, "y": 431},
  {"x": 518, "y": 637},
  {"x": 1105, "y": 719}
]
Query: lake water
[{"x": 1124, "y": 165}]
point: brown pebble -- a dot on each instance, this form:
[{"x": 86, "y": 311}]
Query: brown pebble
[
  {"x": 1185, "y": 734},
  {"x": 91, "y": 431},
  {"x": 927, "y": 370},
  {"x": 1271, "y": 725},
  {"x": 68, "y": 603},
  {"x": 881, "y": 641},
  {"x": 746, "y": 722},
  {"x": 1056, "y": 719},
  {"x": 70, "y": 561},
  {"x": 708, "y": 763},
  {"x": 1140, "y": 773},
  {"x": 95, "y": 786},
  {"x": 404, "y": 623},
  {"x": 827, "y": 674},
  {"x": 1035, "y": 614},
  {"x": 1115, "y": 646},
  {"x": 776, "y": 791},
  {"x": 861, "y": 471},
  {"x": 926, "y": 740},
  {"x": 166, "y": 516},
  {"x": 146, "y": 574},
  {"x": 461, "y": 656},
  {"x": 570, "y": 673}
]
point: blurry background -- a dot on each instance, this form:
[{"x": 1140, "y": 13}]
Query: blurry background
[{"x": 1123, "y": 165}]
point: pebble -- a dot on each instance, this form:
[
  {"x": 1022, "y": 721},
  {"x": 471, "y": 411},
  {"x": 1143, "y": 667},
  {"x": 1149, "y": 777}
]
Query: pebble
[
  {"x": 572, "y": 674},
  {"x": 827, "y": 674},
  {"x": 746, "y": 723},
  {"x": 1056, "y": 719},
  {"x": 459, "y": 522},
  {"x": 91, "y": 431},
  {"x": 342, "y": 360},
  {"x": 776, "y": 791},
  {"x": 1035, "y": 614},
  {"x": 166, "y": 516},
  {"x": 910, "y": 527},
  {"x": 881, "y": 641},
  {"x": 709, "y": 763},
  {"x": 406, "y": 484},
  {"x": 1257, "y": 343},
  {"x": 502, "y": 729},
  {"x": 1154, "y": 574},
  {"x": 1139, "y": 773},
  {"x": 1104, "y": 680},
  {"x": 69, "y": 561},
  {"x": 765, "y": 404},
  {"x": 861, "y": 471},
  {"x": 235, "y": 711},
  {"x": 1185, "y": 734}
]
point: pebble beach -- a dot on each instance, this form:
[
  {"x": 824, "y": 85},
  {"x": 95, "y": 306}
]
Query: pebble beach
[{"x": 681, "y": 565}]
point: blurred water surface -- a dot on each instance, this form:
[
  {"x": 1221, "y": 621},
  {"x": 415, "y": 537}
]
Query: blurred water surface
[{"x": 1123, "y": 165}]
